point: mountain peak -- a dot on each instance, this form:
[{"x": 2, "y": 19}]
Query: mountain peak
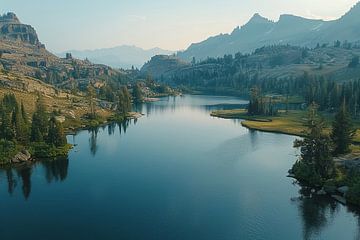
[
  {"x": 9, "y": 17},
  {"x": 10, "y": 30},
  {"x": 257, "y": 18}
]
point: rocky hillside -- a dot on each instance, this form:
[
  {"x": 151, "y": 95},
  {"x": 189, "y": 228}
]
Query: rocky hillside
[
  {"x": 289, "y": 29},
  {"x": 163, "y": 66},
  {"x": 22, "y": 53},
  {"x": 273, "y": 62},
  {"x": 12, "y": 29}
]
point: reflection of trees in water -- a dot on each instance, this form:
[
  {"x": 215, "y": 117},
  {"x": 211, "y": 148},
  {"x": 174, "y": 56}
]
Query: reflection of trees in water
[
  {"x": 356, "y": 211},
  {"x": 124, "y": 126},
  {"x": 93, "y": 132},
  {"x": 93, "y": 140},
  {"x": 11, "y": 180},
  {"x": 111, "y": 128},
  {"x": 25, "y": 175},
  {"x": 316, "y": 213},
  {"x": 55, "y": 170},
  {"x": 138, "y": 107}
]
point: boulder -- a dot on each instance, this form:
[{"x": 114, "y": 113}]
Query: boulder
[
  {"x": 343, "y": 190},
  {"x": 23, "y": 156},
  {"x": 60, "y": 119}
]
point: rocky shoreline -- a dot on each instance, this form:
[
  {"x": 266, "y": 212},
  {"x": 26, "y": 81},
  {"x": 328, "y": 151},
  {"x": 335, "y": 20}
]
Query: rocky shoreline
[
  {"x": 23, "y": 156},
  {"x": 339, "y": 194}
]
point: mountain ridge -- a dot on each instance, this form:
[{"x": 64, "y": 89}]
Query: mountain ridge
[
  {"x": 289, "y": 29},
  {"x": 123, "y": 56}
]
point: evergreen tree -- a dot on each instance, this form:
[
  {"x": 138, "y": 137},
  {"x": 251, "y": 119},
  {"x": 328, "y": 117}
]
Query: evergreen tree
[
  {"x": 39, "y": 124},
  {"x": 124, "y": 101},
  {"x": 342, "y": 132},
  {"x": 6, "y": 130},
  {"x": 56, "y": 136},
  {"x": 91, "y": 96},
  {"x": 315, "y": 163},
  {"x": 24, "y": 115},
  {"x": 137, "y": 93},
  {"x": 17, "y": 124}
]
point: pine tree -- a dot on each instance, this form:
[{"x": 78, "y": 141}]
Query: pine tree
[
  {"x": 56, "y": 136},
  {"x": 6, "y": 130},
  {"x": 342, "y": 132},
  {"x": 124, "y": 101},
  {"x": 315, "y": 163},
  {"x": 137, "y": 93},
  {"x": 17, "y": 123},
  {"x": 24, "y": 115},
  {"x": 39, "y": 124},
  {"x": 91, "y": 95}
]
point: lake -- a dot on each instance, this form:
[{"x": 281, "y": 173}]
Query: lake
[{"x": 175, "y": 173}]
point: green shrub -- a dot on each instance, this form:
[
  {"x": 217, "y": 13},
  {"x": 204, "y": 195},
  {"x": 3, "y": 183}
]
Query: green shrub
[
  {"x": 43, "y": 150},
  {"x": 306, "y": 173},
  {"x": 8, "y": 149}
]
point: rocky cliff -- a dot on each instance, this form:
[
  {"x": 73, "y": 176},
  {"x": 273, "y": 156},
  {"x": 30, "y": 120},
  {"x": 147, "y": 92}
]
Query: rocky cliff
[
  {"x": 11, "y": 28},
  {"x": 162, "y": 66},
  {"x": 22, "y": 53}
]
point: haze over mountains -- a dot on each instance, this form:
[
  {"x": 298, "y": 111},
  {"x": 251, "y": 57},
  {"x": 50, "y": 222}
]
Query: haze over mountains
[
  {"x": 118, "y": 57},
  {"x": 289, "y": 29}
]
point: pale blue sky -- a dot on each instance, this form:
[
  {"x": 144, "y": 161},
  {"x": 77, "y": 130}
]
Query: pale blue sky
[{"x": 169, "y": 24}]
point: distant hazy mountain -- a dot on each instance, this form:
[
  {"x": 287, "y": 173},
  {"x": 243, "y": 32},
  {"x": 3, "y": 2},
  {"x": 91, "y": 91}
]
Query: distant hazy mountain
[
  {"x": 118, "y": 57},
  {"x": 290, "y": 29}
]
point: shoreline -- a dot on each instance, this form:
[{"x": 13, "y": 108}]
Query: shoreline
[
  {"x": 20, "y": 158},
  {"x": 291, "y": 124}
]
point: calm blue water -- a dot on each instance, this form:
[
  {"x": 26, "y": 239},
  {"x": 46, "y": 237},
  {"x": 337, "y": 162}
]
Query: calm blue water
[{"x": 176, "y": 173}]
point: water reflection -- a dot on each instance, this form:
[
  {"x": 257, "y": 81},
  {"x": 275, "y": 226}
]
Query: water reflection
[
  {"x": 11, "y": 181},
  {"x": 54, "y": 170},
  {"x": 25, "y": 175},
  {"x": 203, "y": 103},
  {"x": 93, "y": 140},
  {"x": 111, "y": 128},
  {"x": 318, "y": 212},
  {"x": 218, "y": 180}
]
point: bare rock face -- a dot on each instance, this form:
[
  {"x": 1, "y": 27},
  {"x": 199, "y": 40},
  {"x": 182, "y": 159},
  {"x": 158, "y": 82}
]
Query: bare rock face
[
  {"x": 23, "y": 156},
  {"x": 11, "y": 28},
  {"x": 9, "y": 18}
]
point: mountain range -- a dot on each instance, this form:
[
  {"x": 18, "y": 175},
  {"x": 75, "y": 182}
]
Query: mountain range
[
  {"x": 118, "y": 57},
  {"x": 289, "y": 29}
]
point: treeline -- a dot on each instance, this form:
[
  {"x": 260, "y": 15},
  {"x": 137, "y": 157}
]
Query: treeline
[
  {"x": 239, "y": 73},
  {"x": 328, "y": 94},
  {"x": 43, "y": 135}
]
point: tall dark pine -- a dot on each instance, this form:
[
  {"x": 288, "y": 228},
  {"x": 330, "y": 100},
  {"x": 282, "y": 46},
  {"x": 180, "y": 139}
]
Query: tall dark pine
[
  {"x": 137, "y": 93},
  {"x": 255, "y": 104},
  {"x": 124, "y": 103},
  {"x": 56, "y": 136},
  {"x": 39, "y": 124},
  {"x": 6, "y": 130},
  {"x": 315, "y": 160},
  {"x": 91, "y": 96},
  {"x": 342, "y": 132}
]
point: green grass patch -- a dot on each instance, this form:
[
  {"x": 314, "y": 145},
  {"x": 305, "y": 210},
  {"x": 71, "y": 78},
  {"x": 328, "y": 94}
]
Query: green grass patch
[{"x": 291, "y": 123}]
